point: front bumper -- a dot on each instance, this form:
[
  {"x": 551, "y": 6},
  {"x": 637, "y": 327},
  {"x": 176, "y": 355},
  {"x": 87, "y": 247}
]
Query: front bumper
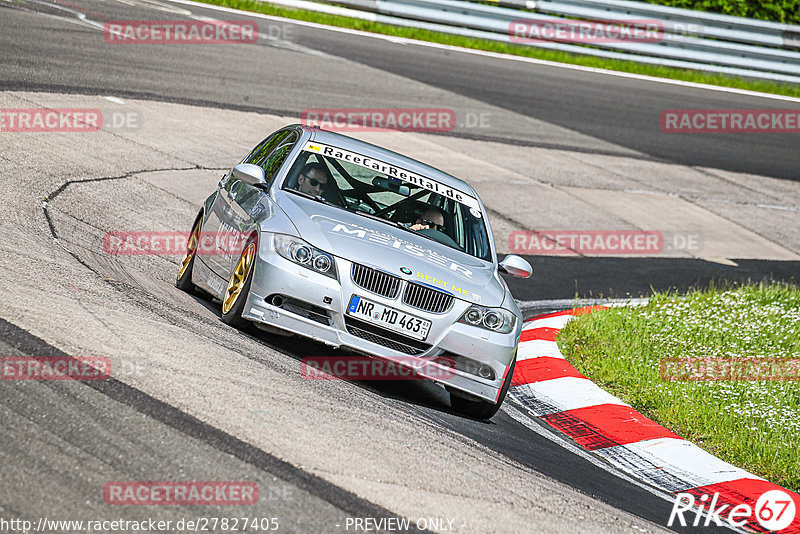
[{"x": 329, "y": 298}]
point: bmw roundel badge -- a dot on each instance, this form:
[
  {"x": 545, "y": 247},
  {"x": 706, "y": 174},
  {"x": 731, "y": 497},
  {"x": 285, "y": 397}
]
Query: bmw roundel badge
[{"x": 405, "y": 270}]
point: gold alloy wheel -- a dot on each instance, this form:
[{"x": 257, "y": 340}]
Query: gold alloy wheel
[
  {"x": 191, "y": 248},
  {"x": 239, "y": 277}
]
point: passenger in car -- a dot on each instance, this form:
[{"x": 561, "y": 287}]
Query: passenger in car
[{"x": 430, "y": 219}]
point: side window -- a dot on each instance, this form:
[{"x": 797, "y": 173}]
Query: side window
[
  {"x": 276, "y": 159},
  {"x": 265, "y": 148},
  {"x": 271, "y": 153},
  {"x": 242, "y": 194}
]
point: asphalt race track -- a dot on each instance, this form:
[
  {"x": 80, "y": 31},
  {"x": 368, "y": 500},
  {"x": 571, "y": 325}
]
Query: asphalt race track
[{"x": 192, "y": 399}]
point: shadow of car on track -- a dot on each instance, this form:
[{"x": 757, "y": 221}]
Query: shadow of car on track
[{"x": 422, "y": 393}]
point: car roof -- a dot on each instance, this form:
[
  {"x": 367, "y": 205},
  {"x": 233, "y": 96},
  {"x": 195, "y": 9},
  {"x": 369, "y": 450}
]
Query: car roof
[{"x": 362, "y": 147}]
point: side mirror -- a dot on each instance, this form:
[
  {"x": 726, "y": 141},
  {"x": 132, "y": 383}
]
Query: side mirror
[
  {"x": 249, "y": 174},
  {"x": 516, "y": 266}
]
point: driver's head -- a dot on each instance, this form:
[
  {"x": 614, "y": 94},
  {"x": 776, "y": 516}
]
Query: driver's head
[
  {"x": 313, "y": 179},
  {"x": 433, "y": 218}
]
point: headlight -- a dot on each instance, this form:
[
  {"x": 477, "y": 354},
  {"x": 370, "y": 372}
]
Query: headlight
[
  {"x": 298, "y": 251},
  {"x": 494, "y": 319}
]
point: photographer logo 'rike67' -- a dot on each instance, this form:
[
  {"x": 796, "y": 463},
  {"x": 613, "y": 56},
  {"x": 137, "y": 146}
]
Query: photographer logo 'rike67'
[{"x": 774, "y": 510}]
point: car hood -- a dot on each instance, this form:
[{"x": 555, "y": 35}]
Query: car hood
[{"x": 405, "y": 254}]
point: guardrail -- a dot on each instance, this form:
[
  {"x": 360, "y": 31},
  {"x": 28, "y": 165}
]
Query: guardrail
[
  {"x": 726, "y": 27},
  {"x": 686, "y": 39}
]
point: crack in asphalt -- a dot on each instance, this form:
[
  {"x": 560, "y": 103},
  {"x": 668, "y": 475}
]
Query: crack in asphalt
[{"x": 199, "y": 325}]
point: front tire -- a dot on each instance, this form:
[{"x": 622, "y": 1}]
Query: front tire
[
  {"x": 483, "y": 409},
  {"x": 184, "y": 280},
  {"x": 239, "y": 286}
]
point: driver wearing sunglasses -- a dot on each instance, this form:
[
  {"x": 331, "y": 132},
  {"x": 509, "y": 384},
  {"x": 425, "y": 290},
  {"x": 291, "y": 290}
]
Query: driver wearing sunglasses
[
  {"x": 313, "y": 179},
  {"x": 430, "y": 219}
]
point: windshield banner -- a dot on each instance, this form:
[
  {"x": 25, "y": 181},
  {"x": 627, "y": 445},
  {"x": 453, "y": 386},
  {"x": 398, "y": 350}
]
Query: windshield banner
[{"x": 394, "y": 172}]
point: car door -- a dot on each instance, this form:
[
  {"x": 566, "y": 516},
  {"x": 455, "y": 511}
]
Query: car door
[
  {"x": 240, "y": 203},
  {"x": 219, "y": 214},
  {"x": 208, "y": 252}
]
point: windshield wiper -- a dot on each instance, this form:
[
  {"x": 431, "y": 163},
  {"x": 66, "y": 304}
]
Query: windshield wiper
[
  {"x": 376, "y": 218},
  {"x": 318, "y": 198},
  {"x": 386, "y": 221},
  {"x": 397, "y": 225}
]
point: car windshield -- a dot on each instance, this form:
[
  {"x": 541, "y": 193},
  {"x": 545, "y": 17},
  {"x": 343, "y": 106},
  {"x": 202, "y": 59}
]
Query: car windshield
[{"x": 393, "y": 195}]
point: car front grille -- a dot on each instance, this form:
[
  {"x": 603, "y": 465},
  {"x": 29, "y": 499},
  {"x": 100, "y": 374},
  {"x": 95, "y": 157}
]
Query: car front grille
[
  {"x": 384, "y": 337},
  {"x": 427, "y": 299},
  {"x": 375, "y": 281},
  {"x": 415, "y": 295}
]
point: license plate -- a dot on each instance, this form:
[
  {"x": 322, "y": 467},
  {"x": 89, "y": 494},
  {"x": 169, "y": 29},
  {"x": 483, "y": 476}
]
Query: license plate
[{"x": 389, "y": 318}]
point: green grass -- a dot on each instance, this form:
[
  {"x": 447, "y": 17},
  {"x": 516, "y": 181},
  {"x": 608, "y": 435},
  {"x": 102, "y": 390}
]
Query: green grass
[
  {"x": 513, "y": 49},
  {"x": 751, "y": 424},
  {"x": 787, "y": 11}
]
